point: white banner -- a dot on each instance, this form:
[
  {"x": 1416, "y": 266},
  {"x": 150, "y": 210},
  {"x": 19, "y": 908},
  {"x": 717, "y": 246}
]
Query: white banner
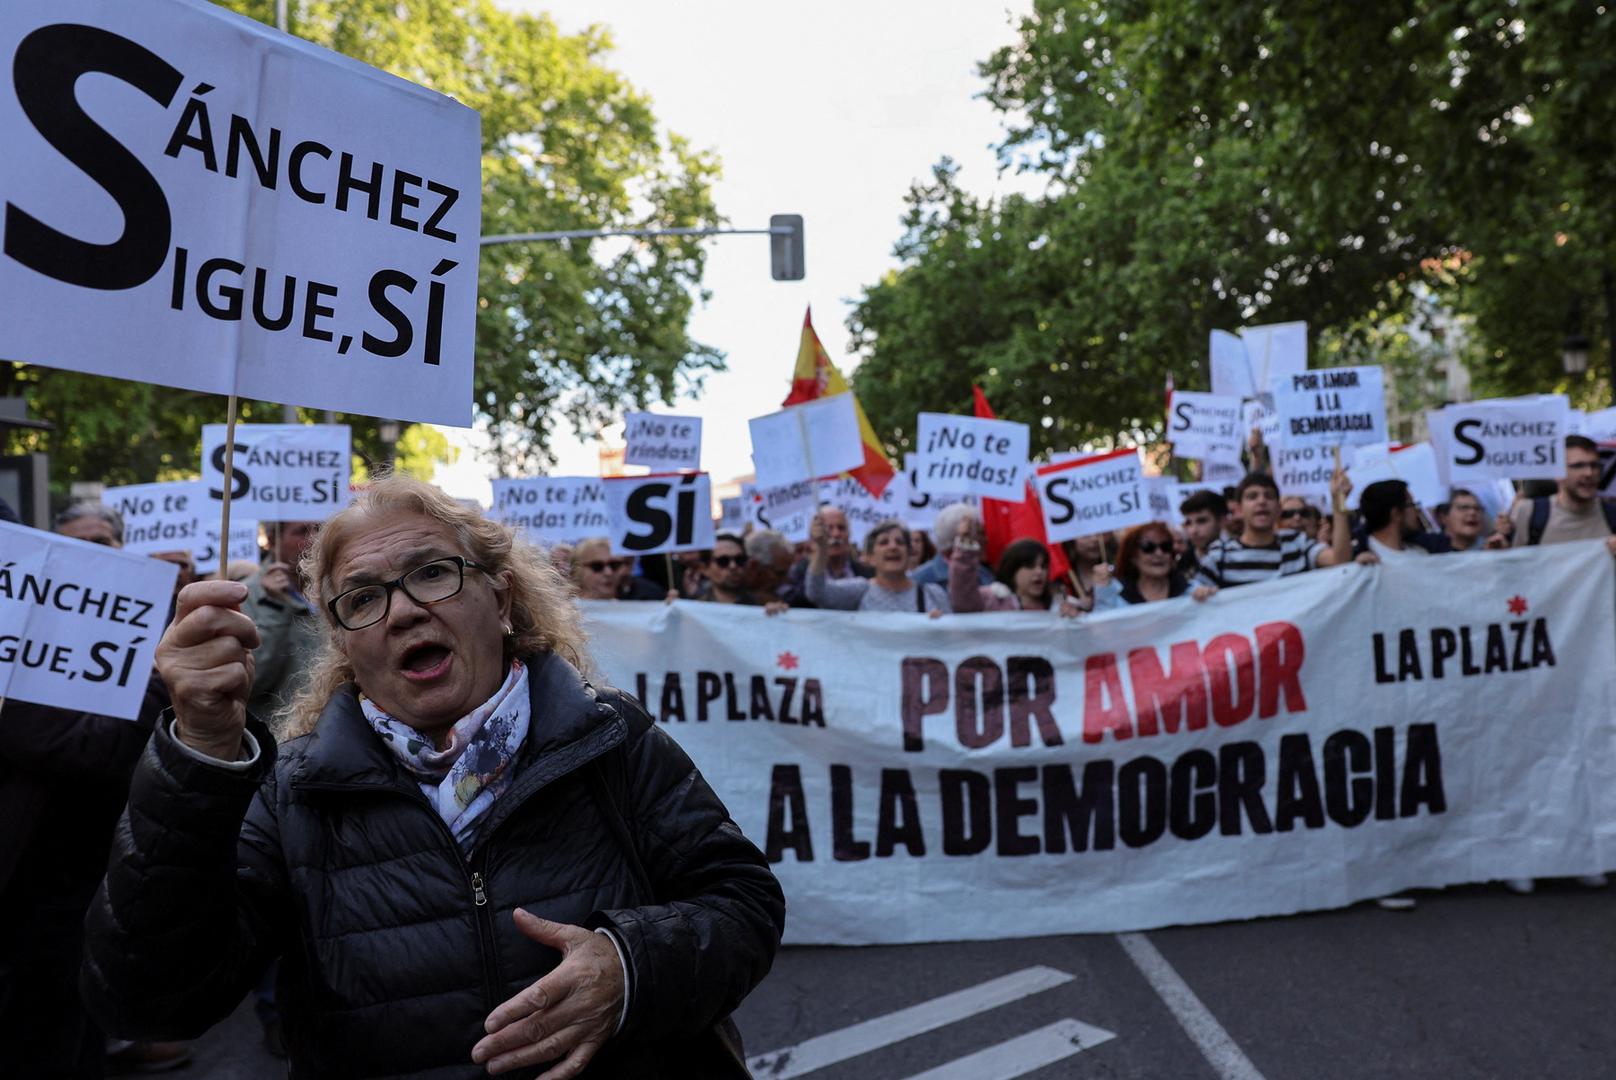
[
  {"x": 653, "y": 514},
  {"x": 1204, "y": 425},
  {"x": 281, "y": 472},
  {"x": 788, "y": 510},
  {"x": 225, "y": 208},
  {"x": 1092, "y": 494},
  {"x": 1303, "y": 471},
  {"x": 79, "y": 622},
  {"x": 970, "y": 455},
  {"x": 162, "y": 517},
  {"x": 553, "y": 509},
  {"x": 1291, "y": 746},
  {"x": 1343, "y": 406},
  {"x": 1508, "y": 439},
  {"x": 807, "y": 441},
  {"x": 920, "y": 509},
  {"x": 662, "y": 442},
  {"x": 864, "y": 511}
]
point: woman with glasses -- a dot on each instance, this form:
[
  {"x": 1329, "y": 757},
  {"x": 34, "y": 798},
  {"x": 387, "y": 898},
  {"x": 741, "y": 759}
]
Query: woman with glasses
[
  {"x": 596, "y": 573},
  {"x": 1146, "y": 570},
  {"x": 469, "y": 858}
]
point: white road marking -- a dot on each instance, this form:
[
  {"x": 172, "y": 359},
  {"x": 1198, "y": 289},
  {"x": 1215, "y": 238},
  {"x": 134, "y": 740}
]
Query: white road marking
[
  {"x": 861, "y": 1038},
  {"x": 1220, "y": 1051},
  {"x": 1022, "y": 1054}
]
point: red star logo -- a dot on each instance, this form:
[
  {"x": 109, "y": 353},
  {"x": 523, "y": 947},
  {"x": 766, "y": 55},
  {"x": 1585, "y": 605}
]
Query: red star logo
[
  {"x": 1517, "y": 605},
  {"x": 787, "y": 661}
]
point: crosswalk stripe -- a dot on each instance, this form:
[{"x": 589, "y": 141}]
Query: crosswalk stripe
[
  {"x": 1022, "y": 1054},
  {"x": 861, "y": 1038}
]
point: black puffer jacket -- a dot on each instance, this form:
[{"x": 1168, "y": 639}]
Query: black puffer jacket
[{"x": 392, "y": 957}]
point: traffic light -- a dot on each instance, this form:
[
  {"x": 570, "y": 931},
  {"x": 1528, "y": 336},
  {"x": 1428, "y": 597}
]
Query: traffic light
[{"x": 785, "y": 247}]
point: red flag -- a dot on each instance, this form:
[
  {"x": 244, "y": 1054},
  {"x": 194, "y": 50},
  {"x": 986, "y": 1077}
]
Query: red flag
[{"x": 1004, "y": 522}]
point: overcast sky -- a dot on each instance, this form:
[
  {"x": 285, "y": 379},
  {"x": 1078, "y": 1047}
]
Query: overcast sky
[{"x": 828, "y": 110}]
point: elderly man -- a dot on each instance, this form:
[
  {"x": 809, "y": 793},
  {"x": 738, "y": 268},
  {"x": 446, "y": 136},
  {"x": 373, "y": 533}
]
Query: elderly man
[
  {"x": 839, "y": 562},
  {"x": 959, "y": 524},
  {"x": 287, "y": 624}
]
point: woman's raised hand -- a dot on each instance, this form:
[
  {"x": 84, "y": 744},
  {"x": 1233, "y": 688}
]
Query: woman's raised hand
[{"x": 206, "y": 660}]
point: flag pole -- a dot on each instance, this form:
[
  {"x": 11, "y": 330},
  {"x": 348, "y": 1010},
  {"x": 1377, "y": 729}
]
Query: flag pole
[{"x": 229, "y": 482}]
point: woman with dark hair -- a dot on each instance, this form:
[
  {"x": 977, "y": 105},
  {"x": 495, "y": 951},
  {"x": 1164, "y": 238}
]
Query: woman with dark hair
[
  {"x": 1023, "y": 582},
  {"x": 1146, "y": 571}
]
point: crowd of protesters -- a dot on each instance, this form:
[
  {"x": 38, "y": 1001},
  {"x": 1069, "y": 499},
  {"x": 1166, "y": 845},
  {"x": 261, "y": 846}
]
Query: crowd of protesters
[{"x": 65, "y": 776}]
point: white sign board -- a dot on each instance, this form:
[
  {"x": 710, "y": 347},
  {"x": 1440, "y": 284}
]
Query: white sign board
[
  {"x": 730, "y": 518},
  {"x": 1414, "y": 465},
  {"x": 804, "y": 442},
  {"x": 1092, "y": 495},
  {"x": 652, "y": 514},
  {"x": 863, "y": 510},
  {"x": 1343, "y": 406},
  {"x": 1274, "y": 351},
  {"x": 788, "y": 509},
  {"x": 1164, "y": 495},
  {"x": 662, "y": 442},
  {"x": 1600, "y": 426},
  {"x": 243, "y": 545},
  {"x": 280, "y": 472},
  {"x": 79, "y": 622},
  {"x": 968, "y": 455},
  {"x": 1231, "y": 369},
  {"x": 1303, "y": 471},
  {"x": 162, "y": 517},
  {"x": 1514, "y": 439},
  {"x": 919, "y": 509},
  {"x": 225, "y": 208},
  {"x": 553, "y": 510},
  {"x": 1204, "y": 425}
]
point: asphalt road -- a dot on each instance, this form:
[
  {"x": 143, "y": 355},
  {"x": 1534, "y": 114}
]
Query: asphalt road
[{"x": 1474, "y": 983}]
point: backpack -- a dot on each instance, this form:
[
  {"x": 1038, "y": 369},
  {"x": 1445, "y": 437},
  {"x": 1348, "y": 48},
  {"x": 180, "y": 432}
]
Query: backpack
[{"x": 1540, "y": 518}]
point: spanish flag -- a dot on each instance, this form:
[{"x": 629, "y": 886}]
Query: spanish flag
[{"x": 816, "y": 377}]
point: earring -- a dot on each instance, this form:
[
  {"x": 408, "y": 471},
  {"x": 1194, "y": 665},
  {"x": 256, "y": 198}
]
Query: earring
[{"x": 506, "y": 629}]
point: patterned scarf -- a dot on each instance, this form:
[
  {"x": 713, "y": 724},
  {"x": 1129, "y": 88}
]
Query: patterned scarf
[{"x": 464, "y": 778}]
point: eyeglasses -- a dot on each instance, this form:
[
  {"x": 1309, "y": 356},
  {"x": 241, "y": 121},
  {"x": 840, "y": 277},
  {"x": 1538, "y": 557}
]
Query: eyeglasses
[
  {"x": 600, "y": 566},
  {"x": 1150, "y": 547},
  {"x": 429, "y": 583},
  {"x": 1295, "y": 511},
  {"x": 724, "y": 562}
]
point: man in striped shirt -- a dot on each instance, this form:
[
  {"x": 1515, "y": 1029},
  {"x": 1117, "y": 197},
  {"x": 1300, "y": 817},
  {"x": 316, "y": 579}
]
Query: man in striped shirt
[{"x": 1262, "y": 550}]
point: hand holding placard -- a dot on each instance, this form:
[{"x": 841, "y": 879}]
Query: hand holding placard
[{"x": 206, "y": 661}]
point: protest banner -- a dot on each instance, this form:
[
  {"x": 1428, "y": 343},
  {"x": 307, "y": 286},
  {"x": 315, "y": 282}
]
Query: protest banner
[
  {"x": 280, "y": 472},
  {"x": 1343, "y": 406},
  {"x": 1231, "y": 368},
  {"x": 788, "y": 509},
  {"x": 224, "y": 208},
  {"x": 863, "y": 510},
  {"x": 79, "y": 622},
  {"x": 804, "y": 442},
  {"x": 553, "y": 510},
  {"x": 1502, "y": 438},
  {"x": 919, "y": 509},
  {"x": 1290, "y": 746},
  {"x": 1303, "y": 471},
  {"x": 1414, "y": 465},
  {"x": 243, "y": 545},
  {"x": 663, "y": 512},
  {"x": 968, "y": 455},
  {"x": 1204, "y": 425},
  {"x": 662, "y": 442},
  {"x": 1274, "y": 351},
  {"x": 161, "y": 517},
  {"x": 1600, "y": 426},
  {"x": 1092, "y": 494}
]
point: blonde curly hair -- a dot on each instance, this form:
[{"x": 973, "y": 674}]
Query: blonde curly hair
[{"x": 543, "y": 615}]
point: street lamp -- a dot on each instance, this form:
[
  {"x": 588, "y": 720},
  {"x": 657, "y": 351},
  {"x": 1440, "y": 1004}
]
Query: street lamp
[{"x": 1574, "y": 353}]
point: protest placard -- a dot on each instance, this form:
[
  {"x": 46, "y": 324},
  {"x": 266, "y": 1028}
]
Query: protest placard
[
  {"x": 1092, "y": 494},
  {"x": 162, "y": 517},
  {"x": 968, "y": 455},
  {"x": 553, "y": 509},
  {"x": 1414, "y": 465},
  {"x": 280, "y": 472},
  {"x": 661, "y": 512},
  {"x": 1231, "y": 369},
  {"x": 225, "y": 208},
  {"x": 1274, "y": 351},
  {"x": 243, "y": 545},
  {"x": 863, "y": 510},
  {"x": 1258, "y": 414},
  {"x": 920, "y": 509},
  {"x": 1600, "y": 426},
  {"x": 1204, "y": 425},
  {"x": 1502, "y": 438},
  {"x": 1607, "y": 468},
  {"x": 1304, "y": 471},
  {"x": 788, "y": 509},
  {"x": 730, "y": 518},
  {"x": 662, "y": 442},
  {"x": 79, "y": 622},
  {"x": 807, "y": 441},
  {"x": 1343, "y": 406},
  {"x": 1165, "y": 495},
  {"x": 1221, "y": 473}
]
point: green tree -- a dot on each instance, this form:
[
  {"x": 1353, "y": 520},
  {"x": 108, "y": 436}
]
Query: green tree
[
  {"x": 576, "y": 329},
  {"x": 1217, "y": 162}
]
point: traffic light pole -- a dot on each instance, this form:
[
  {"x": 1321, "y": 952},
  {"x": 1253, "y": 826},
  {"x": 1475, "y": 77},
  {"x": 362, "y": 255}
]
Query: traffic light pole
[{"x": 784, "y": 233}]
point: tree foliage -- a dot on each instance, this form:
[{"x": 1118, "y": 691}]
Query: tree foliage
[
  {"x": 576, "y": 329},
  {"x": 1213, "y": 163}
]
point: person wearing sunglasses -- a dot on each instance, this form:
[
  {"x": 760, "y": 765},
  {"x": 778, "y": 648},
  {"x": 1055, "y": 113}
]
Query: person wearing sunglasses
[
  {"x": 597, "y": 573},
  {"x": 1146, "y": 570},
  {"x": 725, "y": 573},
  {"x": 470, "y": 857}
]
